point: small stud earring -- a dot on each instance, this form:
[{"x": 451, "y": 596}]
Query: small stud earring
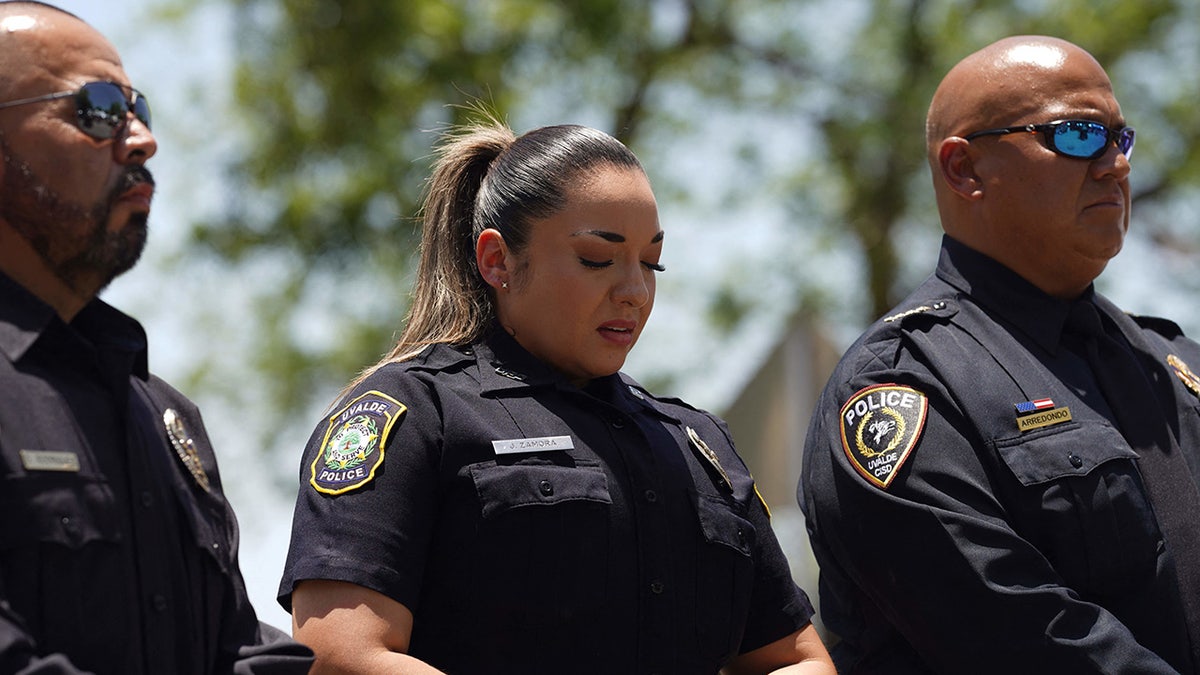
[{"x": 503, "y": 284}]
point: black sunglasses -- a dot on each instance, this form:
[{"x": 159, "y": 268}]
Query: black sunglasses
[
  {"x": 1081, "y": 139},
  {"x": 101, "y": 107}
]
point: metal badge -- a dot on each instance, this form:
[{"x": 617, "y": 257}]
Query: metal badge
[
  {"x": 185, "y": 447},
  {"x": 1189, "y": 379},
  {"x": 706, "y": 452}
]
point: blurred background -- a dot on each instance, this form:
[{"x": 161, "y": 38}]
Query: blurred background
[{"x": 784, "y": 140}]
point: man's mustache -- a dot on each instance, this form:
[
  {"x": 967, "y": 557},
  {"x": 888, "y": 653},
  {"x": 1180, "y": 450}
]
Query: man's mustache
[{"x": 131, "y": 178}]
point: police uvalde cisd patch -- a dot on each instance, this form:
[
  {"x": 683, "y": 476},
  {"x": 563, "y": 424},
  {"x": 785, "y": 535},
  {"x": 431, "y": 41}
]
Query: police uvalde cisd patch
[
  {"x": 353, "y": 446},
  {"x": 880, "y": 427}
]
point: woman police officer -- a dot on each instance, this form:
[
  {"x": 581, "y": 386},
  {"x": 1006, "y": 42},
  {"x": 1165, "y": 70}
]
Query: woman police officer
[{"x": 494, "y": 496}]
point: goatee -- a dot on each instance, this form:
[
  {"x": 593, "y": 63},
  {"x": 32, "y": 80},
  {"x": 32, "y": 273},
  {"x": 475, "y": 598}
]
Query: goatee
[{"x": 73, "y": 239}]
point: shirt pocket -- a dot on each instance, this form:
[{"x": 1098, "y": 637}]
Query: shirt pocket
[
  {"x": 1081, "y": 502},
  {"x": 724, "y": 575},
  {"x": 542, "y": 541},
  {"x": 59, "y": 530},
  {"x": 64, "y": 510}
]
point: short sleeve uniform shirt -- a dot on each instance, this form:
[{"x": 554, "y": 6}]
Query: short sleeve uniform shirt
[{"x": 533, "y": 527}]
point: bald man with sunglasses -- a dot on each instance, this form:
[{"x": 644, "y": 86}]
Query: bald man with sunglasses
[
  {"x": 1001, "y": 475},
  {"x": 118, "y": 551}
]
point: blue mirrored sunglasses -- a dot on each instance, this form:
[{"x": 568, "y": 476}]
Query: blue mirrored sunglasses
[
  {"x": 1081, "y": 139},
  {"x": 101, "y": 108}
]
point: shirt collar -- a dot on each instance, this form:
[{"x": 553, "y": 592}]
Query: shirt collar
[
  {"x": 1005, "y": 293},
  {"x": 25, "y": 320},
  {"x": 505, "y": 365}
]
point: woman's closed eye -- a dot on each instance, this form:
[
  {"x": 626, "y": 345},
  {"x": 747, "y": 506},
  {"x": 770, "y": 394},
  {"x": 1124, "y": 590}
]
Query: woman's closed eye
[{"x": 601, "y": 264}]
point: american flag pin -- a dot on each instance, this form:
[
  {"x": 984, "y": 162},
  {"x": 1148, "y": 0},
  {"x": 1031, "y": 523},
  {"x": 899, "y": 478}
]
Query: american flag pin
[{"x": 1027, "y": 407}]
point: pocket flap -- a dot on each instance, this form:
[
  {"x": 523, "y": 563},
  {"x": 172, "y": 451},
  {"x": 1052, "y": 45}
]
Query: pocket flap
[
  {"x": 1060, "y": 452},
  {"x": 502, "y": 487}
]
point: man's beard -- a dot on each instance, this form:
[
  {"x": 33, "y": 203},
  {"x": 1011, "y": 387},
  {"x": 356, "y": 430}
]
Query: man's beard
[{"x": 72, "y": 239}]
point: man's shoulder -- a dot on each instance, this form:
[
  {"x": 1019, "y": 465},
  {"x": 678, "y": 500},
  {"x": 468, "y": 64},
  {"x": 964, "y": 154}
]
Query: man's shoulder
[
  {"x": 162, "y": 391},
  {"x": 890, "y": 335}
]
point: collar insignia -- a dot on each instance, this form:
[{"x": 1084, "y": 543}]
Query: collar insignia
[
  {"x": 880, "y": 427},
  {"x": 1189, "y": 379},
  {"x": 185, "y": 447},
  {"x": 354, "y": 442}
]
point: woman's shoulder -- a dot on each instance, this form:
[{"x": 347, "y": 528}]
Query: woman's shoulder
[
  {"x": 436, "y": 365},
  {"x": 668, "y": 403}
]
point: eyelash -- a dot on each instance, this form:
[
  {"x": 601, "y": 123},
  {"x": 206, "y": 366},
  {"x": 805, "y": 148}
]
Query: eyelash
[{"x": 592, "y": 264}]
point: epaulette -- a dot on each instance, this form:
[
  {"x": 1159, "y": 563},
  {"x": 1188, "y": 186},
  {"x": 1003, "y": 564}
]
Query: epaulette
[
  {"x": 441, "y": 357},
  {"x": 641, "y": 393},
  {"x": 939, "y": 309},
  {"x": 1164, "y": 327}
]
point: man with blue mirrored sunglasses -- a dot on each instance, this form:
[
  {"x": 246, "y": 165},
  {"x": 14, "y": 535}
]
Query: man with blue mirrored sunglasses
[
  {"x": 118, "y": 550},
  {"x": 1001, "y": 475}
]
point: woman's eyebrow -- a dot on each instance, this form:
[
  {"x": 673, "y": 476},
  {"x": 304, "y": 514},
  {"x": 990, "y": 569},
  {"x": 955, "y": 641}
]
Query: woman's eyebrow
[{"x": 613, "y": 236}]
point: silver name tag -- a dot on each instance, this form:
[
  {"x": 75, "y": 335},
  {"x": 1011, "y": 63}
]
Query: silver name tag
[
  {"x": 543, "y": 444},
  {"x": 48, "y": 460}
]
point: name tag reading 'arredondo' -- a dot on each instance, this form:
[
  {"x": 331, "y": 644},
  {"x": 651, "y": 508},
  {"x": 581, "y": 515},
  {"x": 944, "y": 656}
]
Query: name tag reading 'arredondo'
[{"x": 880, "y": 428}]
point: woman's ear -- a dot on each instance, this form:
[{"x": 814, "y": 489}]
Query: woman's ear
[
  {"x": 491, "y": 255},
  {"x": 957, "y": 164}
]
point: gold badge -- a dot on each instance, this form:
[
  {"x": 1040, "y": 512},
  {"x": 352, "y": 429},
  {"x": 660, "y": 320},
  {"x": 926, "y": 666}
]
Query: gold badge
[
  {"x": 1189, "y": 379},
  {"x": 185, "y": 447},
  {"x": 880, "y": 428},
  {"x": 709, "y": 456}
]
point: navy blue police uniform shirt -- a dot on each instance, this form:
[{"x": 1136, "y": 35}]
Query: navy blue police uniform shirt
[
  {"x": 970, "y": 502},
  {"x": 534, "y": 527},
  {"x": 116, "y": 556}
]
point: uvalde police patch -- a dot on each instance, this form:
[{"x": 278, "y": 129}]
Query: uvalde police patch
[
  {"x": 880, "y": 427},
  {"x": 353, "y": 445}
]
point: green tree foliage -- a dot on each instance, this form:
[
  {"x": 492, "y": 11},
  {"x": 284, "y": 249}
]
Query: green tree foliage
[{"x": 339, "y": 100}]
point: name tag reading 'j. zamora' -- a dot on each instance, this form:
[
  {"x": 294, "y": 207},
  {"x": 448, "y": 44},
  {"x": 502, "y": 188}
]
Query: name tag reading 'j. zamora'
[{"x": 544, "y": 444}]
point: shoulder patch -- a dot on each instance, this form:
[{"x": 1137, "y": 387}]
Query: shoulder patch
[
  {"x": 880, "y": 428},
  {"x": 353, "y": 446}
]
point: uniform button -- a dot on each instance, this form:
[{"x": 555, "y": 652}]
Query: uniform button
[
  {"x": 651, "y": 496},
  {"x": 159, "y": 602},
  {"x": 546, "y": 488},
  {"x": 1076, "y": 460},
  {"x": 617, "y": 423},
  {"x": 656, "y": 587},
  {"x": 147, "y": 499}
]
